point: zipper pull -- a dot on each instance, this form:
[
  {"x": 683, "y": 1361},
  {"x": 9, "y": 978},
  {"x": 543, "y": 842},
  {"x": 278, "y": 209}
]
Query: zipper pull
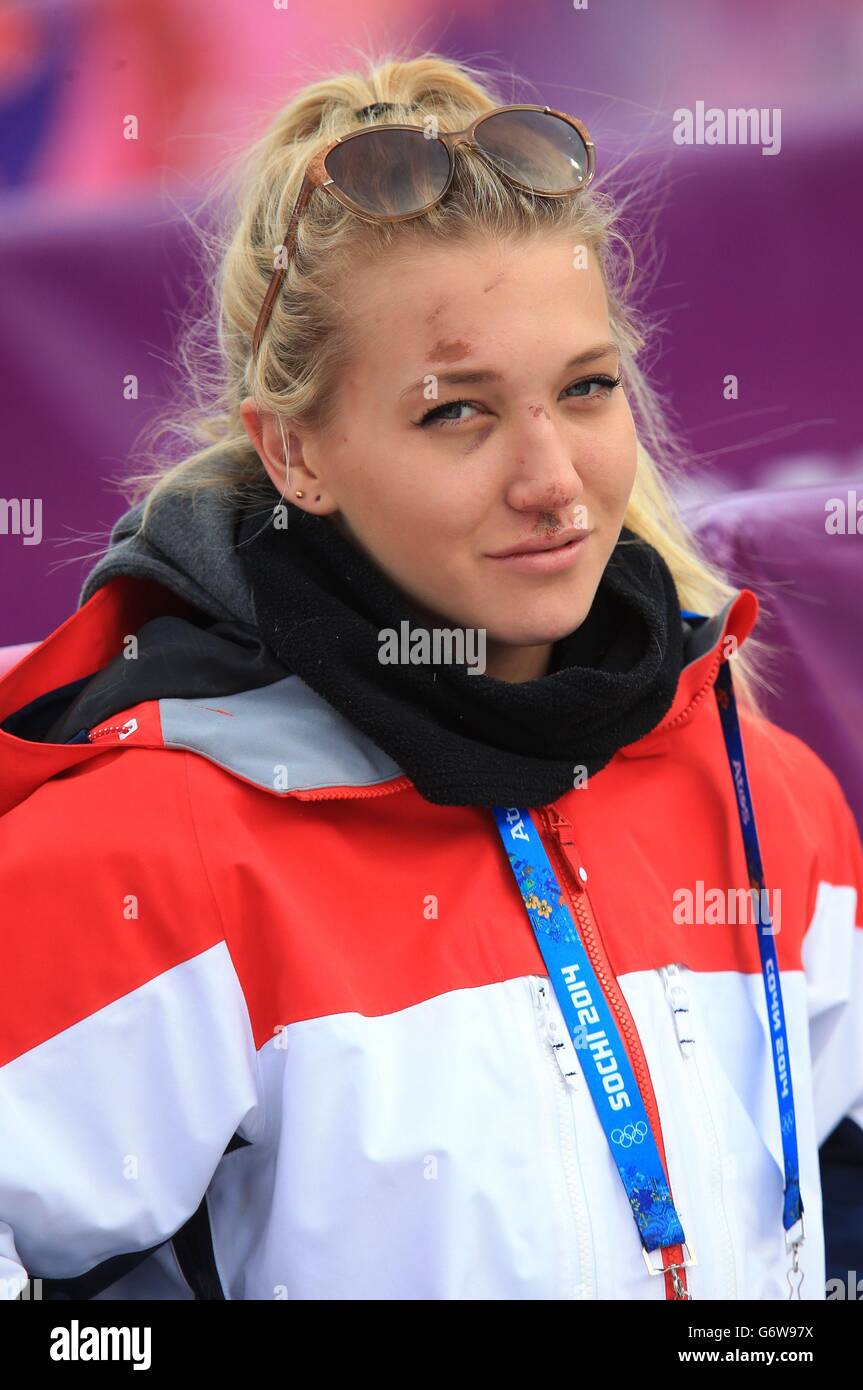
[
  {"x": 561, "y": 829},
  {"x": 555, "y": 820},
  {"x": 678, "y": 997}
]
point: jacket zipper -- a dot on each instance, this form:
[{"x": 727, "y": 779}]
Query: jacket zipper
[
  {"x": 563, "y": 848},
  {"x": 678, "y": 998},
  {"x": 549, "y": 1045},
  {"x": 121, "y": 730},
  {"x": 402, "y": 783},
  {"x": 704, "y": 689}
]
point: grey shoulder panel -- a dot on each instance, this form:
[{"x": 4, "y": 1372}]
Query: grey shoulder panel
[{"x": 283, "y": 738}]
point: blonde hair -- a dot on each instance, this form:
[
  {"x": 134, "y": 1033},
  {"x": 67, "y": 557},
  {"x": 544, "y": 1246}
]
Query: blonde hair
[{"x": 310, "y": 336}]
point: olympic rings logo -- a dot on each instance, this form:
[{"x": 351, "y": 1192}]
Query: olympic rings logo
[{"x": 629, "y": 1135}]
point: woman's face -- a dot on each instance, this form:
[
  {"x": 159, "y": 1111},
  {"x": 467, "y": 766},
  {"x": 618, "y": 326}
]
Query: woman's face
[{"x": 464, "y": 427}]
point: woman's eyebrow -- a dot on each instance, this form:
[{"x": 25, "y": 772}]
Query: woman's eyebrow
[{"x": 473, "y": 376}]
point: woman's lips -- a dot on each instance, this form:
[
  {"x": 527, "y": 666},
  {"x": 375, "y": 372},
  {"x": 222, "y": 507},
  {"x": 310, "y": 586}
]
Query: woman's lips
[{"x": 543, "y": 561}]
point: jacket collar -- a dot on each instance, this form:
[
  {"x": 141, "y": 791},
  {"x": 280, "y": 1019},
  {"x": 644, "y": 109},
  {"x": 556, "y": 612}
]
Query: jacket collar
[
  {"x": 712, "y": 640},
  {"x": 91, "y": 637},
  {"x": 88, "y": 639}
]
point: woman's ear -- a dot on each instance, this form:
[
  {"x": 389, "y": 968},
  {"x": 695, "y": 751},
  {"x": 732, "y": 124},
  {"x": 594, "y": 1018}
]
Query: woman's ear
[
  {"x": 280, "y": 449},
  {"x": 260, "y": 427}
]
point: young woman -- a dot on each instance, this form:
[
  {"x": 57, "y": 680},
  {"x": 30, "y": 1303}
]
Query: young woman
[{"x": 395, "y": 909}]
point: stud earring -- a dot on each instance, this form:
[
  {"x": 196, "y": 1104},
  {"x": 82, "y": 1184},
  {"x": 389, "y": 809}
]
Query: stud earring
[{"x": 300, "y": 494}]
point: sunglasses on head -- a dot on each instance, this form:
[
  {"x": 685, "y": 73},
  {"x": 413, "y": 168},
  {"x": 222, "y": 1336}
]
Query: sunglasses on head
[{"x": 388, "y": 173}]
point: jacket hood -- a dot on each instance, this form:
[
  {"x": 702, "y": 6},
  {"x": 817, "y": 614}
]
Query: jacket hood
[
  {"x": 189, "y": 547},
  {"x": 181, "y": 592}
]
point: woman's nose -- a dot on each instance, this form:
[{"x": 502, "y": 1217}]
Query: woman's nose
[{"x": 545, "y": 474}]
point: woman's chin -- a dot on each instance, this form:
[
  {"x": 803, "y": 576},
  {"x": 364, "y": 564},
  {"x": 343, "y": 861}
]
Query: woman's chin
[
  {"x": 536, "y": 636},
  {"x": 537, "y": 628}
]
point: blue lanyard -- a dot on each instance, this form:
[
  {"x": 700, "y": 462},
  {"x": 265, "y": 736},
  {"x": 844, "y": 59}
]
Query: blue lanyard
[
  {"x": 591, "y": 1024},
  {"x": 586, "y": 1011},
  {"x": 792, "y": 1211}
]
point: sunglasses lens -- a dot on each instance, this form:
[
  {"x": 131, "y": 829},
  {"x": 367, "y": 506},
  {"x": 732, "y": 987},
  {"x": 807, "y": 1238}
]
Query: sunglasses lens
[
  {"x": 536, "y": 148},
  {"x": 390, "y": 172}
]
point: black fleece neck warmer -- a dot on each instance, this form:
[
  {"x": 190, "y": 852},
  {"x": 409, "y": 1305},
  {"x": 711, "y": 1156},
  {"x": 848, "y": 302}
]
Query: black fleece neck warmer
[{"x": 464, "y": 738}]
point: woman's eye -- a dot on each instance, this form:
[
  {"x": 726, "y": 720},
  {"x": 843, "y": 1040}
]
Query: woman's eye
[
  {"x": 604, "y": 386},
  {"x": 437, "y": 413}
]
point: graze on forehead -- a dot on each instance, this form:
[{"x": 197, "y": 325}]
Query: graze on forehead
[
  {"x": 496, "y": 281},
  {"x": 450, "y": 352}
]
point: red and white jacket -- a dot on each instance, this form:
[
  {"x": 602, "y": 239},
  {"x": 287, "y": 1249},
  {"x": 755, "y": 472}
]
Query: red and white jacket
[{"x": 237, "y": 917}]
